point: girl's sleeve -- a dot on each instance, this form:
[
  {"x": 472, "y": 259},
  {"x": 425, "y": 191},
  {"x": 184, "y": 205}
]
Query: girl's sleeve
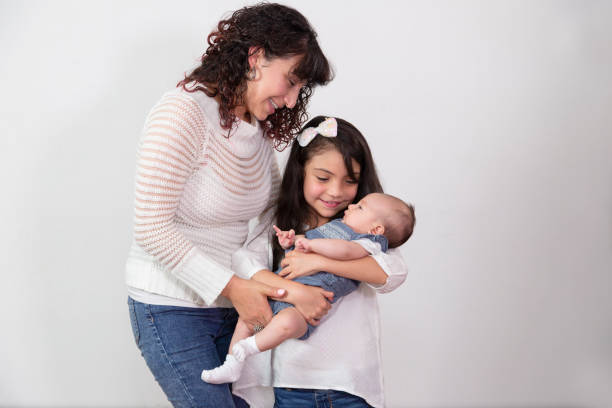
[
  {"x": 256, "y": 253},
  {"x": 391, "y": 262},
  {"x": 172, "y": 142}
]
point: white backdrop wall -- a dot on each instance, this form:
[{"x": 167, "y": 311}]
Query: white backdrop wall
[{"x": 493, "y": 117}]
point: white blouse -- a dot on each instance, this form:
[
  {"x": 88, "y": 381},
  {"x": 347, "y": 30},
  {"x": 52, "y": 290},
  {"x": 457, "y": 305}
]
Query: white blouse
[{"x": 344, "y": 351}]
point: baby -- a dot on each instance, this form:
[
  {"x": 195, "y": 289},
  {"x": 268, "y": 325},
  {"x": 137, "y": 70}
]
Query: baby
[{"x": 376, "y": 222}]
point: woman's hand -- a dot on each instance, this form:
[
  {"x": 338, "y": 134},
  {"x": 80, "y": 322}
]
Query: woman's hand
[
  {"x": 250, "y": 298},
  {"x": 296, "y": 264},
  {"x": 312, "y": 302}
]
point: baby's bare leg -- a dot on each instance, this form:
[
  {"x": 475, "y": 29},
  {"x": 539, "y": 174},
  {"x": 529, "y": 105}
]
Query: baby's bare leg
[
  {"x": 287, "y": 324},
  {"x": 241, "y": 331}
]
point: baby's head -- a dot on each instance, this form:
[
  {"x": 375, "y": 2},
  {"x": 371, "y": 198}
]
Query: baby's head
[{"x": 379, "y": 213}]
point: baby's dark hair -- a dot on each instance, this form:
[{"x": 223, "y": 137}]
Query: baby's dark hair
[
  {"x": 292, "y": 211},
  {"x": 279, "y": 31},
  {"x": 399, "y": 222}
]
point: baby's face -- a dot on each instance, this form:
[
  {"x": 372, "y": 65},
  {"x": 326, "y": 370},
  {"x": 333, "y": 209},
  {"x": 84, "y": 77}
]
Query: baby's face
[{"x": 365, "y": 215}]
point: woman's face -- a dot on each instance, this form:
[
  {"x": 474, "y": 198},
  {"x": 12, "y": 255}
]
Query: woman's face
[
  {"x": 274, "y": 86},
  {"x": 328, "y": 188}
]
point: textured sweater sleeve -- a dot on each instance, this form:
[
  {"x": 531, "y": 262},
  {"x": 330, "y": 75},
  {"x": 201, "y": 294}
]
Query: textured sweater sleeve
[
  {"x": 172, "y": 141},
  {"x": 256, "y": 253}
]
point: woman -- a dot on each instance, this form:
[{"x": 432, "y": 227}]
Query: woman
[{"x": 205, "y": 168}]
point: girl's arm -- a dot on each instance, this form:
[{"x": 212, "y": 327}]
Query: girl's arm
[
  {"x": 384, "y": 272},
  {"x": 364, "y": 269}
]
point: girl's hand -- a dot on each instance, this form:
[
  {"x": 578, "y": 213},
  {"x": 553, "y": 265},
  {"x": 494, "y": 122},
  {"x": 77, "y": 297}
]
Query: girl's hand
[
  {"x": 250, "y": 298},
  {"x": 312, "y": 302},
  {"x": 285, "y": 238},
  {"x": 302, "y": 244},
  {"x": 296, "y": 264}
]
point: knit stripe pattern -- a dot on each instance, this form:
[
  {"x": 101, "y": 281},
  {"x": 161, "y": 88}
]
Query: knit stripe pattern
[{"x": 196, "y": 190}]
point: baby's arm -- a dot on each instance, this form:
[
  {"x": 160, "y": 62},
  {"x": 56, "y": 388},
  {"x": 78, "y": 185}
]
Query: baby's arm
[
  {"x": 285, "y": 238},
  {"x": 332, "y": 248}
]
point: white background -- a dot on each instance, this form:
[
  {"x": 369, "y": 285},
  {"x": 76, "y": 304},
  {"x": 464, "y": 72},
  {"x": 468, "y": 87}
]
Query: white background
[{"x": 492, "y": 117}]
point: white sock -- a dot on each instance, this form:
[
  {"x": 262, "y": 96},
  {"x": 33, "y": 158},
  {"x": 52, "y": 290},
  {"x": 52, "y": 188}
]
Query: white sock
[
  {"x": 244, "y": 348},
  {"x": 228, "y": 372}
]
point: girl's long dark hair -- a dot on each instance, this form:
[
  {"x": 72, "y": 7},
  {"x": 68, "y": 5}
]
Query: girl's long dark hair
[
  {"x": 279, "y": 31},
  {"x": 292, "y": 211}
]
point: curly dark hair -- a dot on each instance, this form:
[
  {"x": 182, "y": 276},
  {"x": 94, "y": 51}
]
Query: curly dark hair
[
  {"x": 279, "y": 31},
  {"x": 292, "y": 211}
]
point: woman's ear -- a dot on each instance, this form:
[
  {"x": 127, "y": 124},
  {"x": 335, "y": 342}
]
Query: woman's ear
[
  {"x": 255, "y": 53},
  {"x": 378, "y": 229}
]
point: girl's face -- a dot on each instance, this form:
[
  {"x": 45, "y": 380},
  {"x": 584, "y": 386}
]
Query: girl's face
[
  {"x": 328, "y": 188},
  {"x": 274, "y": 86}
]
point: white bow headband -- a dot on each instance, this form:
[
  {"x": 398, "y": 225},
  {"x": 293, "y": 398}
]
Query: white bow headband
[{"x": 327, "y": 128}]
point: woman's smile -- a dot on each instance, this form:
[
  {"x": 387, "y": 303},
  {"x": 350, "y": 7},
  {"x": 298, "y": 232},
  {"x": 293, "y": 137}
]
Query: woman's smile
[{"x": 272, "y": 88}]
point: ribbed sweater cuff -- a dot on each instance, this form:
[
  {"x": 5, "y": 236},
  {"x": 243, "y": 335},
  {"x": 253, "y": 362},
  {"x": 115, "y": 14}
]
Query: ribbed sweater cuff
[{"x": 206, "y": 277}]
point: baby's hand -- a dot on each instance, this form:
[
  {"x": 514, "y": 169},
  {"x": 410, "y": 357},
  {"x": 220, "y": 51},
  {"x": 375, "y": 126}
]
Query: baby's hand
[
  {"x": 302, "y": 244},
  {"x": 285, "y": 238}
]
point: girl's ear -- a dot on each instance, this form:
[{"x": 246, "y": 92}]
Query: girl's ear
[{"x": 378, "y": 230}]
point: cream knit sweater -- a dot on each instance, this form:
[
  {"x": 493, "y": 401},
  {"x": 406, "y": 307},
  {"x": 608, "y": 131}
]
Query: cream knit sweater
[{"x": 196, "y": 191}]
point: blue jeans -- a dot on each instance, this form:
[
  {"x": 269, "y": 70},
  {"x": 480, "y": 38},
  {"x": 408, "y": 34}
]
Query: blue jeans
[
  {"x": 303, "y": 398},
  {"x": 178, "y": 343}
]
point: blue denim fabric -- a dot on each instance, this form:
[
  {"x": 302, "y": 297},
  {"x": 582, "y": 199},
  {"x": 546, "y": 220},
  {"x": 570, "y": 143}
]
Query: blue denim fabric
[
  {"x": 336, "y": 229},
  {"x": 178, "y": 343},
  {"x": 303, "y": 398},
  {"x": 339, "y": 285}
]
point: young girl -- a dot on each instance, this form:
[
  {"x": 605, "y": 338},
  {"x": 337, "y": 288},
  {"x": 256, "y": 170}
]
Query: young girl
[
  {"x": 341, "y": 361},
  {"x": 379, "y": 219}
]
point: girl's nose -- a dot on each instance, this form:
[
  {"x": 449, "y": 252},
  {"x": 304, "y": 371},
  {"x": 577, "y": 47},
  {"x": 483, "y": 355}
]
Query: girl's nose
[{"x": 334, "y": 190}]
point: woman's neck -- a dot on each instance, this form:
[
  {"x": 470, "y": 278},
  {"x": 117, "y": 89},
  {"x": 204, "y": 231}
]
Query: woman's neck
[
  {"x": 240, "y": 111},
  {"x": 242, "y": 114}
]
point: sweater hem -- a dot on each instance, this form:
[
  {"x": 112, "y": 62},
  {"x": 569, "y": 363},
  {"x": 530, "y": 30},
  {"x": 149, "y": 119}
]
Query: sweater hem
[{"x": 152, "y": 277}]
